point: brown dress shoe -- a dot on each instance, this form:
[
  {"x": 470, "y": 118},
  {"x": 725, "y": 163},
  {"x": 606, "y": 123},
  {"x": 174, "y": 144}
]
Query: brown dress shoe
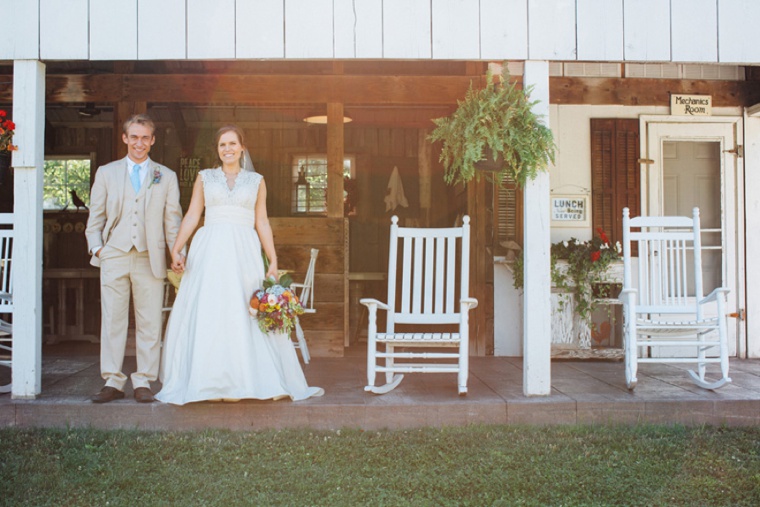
[
  {"x": 107, "y": 394},
  {"x": 143, "y": 395}
]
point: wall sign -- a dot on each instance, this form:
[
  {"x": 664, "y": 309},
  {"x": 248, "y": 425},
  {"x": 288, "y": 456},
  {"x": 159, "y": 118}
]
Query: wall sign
[
  {"x": 188, "y": 170},
  {"x": 569, "y": 210},
  {"x": 691, "y": 105}
]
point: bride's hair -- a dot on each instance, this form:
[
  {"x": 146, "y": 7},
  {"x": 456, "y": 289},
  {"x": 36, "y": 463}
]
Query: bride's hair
[{"x": 241, "y": 139}]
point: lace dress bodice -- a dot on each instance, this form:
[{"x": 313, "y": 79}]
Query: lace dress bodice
[{"x": 225, "y": 205}]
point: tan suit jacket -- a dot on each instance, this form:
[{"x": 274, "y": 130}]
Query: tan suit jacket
[{"x": 163, "y": 213}]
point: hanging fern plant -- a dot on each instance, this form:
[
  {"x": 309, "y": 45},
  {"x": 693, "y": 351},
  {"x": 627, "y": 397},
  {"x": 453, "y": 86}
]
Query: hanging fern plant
[{"x": 498, "y": 123}]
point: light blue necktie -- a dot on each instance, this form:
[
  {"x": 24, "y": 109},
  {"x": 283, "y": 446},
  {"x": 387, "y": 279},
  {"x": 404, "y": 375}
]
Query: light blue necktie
[{"x": 135, "y": 177}]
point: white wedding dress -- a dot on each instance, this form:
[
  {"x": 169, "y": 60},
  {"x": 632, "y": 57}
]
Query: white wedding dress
[{"x": 213, "y": 348}]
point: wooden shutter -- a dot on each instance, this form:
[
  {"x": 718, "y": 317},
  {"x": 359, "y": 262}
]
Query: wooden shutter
[
  {"x": 507, "y": 214},
  {"x": 615, "y": 176}
]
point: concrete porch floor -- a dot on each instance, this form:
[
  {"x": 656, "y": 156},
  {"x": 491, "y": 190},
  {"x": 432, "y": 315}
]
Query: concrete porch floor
[{"x": 583, "y": 392}]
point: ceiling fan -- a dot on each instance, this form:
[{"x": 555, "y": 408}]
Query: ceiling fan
[{"x": 89, "y": 110}]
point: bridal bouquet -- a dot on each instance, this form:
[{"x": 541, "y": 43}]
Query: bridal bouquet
[{"x": 275, "y": 306}]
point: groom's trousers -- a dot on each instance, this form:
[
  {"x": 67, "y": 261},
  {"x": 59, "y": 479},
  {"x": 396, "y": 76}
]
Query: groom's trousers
[{"x": 122, "y": 273}]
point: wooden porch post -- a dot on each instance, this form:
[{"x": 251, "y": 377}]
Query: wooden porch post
[
  {"x": 425, "y": 160},
  {"x": 29, "y": 117},
  {"x": 537, "y": 300},
  {"x": 335, "y": 153},
  {"x": 334, "y": 160}
]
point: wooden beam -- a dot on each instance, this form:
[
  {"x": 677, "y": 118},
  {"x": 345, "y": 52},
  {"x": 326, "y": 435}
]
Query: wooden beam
[
  {"x": 648, "y": 92},
  {"x": 368, "y": 90},
  {"x": 335, "y": 150},
  {"x": 253, "y": 89}
]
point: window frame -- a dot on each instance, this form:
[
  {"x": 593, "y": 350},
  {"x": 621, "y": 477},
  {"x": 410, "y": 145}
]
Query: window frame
[
  {"x": 295, "y": 166},
  {"x": 66, "y": 157}
]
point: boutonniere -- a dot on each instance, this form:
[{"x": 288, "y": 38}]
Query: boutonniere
[{"x": 156, "y": 177}]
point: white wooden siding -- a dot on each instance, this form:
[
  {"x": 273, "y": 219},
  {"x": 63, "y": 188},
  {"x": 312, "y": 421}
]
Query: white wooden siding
[
  {"x": 113, "y": 30},
  {"x": 695, "y": 30},
  {"x": 600, "y": 23},
  {"x": 19, "y": 37},
  {"x": 678, "y": 31},
  {"x": 64, "y": 30},
  {"x": 358, "y": 29},
  {"x": 503, "y": 29},
  {"x": 260, "y": 29},
  {"x": 211, "y": 32},
  {"x": 161, "y": 29},
  {"x": 737, "y": 26},
  {"x": 308, "y": 29},
  {"x": 551, "y": 30},
  {"x": 647, "y": 30},
  {"x": 456, "y": 29},
  {"x": 406, "y": 29}
]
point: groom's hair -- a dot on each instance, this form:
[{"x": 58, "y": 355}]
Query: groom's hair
[{"x": 141, "y": 119}]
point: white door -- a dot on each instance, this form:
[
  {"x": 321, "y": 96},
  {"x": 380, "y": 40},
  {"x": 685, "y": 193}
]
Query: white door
[{"x": 694, "y": 164}]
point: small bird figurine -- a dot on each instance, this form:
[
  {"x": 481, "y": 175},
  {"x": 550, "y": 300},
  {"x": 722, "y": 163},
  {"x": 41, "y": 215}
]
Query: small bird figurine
[{"x": 78, "y": 202}]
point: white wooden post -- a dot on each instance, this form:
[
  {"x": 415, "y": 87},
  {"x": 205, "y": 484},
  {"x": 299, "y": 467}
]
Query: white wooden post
[
  {"x": 29, "y": 117},
  {"x": 752, "y": 213},
  {"x": 537, "y": 276}
]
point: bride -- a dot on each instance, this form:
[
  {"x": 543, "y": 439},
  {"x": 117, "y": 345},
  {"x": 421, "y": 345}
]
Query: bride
[{"x": 213, "y": 349}]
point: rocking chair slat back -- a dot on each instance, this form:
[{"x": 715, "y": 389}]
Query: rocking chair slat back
[
  {"x": 427, "y": 276},
  {"x": 6, "y": 261},
  {"x": 667, "y": 256}
]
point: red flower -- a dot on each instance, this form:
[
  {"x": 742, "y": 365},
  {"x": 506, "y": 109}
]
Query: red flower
[
  {"x": 603, "y": 235},
  {"x": 2, "y": 113},
  {"x": 595, "y": 256},
  {"x": 9, "y": 125}
]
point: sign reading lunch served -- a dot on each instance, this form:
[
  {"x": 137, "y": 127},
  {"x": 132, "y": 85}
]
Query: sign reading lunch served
[
  {"x": 569, "y": 209},
  {"x": 691, "y": 105}
]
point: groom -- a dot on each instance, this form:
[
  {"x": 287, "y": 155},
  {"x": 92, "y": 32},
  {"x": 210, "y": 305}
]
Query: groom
[{"x": 134, "y": 214}]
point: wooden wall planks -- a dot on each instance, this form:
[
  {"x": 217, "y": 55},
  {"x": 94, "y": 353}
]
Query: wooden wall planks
[{"x": 710, "y": 31}]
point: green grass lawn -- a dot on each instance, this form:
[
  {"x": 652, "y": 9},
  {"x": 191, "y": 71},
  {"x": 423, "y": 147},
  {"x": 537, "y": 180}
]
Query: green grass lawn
[{"x": 476, "y": 465}]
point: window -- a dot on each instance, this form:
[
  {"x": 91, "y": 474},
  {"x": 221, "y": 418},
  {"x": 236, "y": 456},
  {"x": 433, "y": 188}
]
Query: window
[
  {"x": 62, "y": 177},
  {"x": 314, "y": 167}
]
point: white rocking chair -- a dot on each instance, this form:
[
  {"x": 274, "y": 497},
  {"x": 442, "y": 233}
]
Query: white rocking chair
[
  {"x": 6, "y": 295},
  {"x": 666, "y": 307},
  {"x": 306, "y": 297},
  {"x": 434, "y": 281}
]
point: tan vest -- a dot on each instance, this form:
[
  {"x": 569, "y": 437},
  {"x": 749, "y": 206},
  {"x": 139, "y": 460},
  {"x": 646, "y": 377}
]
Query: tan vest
[{"x": 130, "y": 231}]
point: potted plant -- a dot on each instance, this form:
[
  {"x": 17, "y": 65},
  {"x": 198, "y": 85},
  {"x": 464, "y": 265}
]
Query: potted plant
[
  {"x": 495, "y": 125},
  {"x": 583, "y": 269}
]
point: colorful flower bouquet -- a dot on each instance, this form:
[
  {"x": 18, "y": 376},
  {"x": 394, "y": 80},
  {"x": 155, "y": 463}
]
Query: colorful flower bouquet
[{"x": 275, "y": 306}]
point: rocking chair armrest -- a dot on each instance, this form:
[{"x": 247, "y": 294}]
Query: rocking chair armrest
[
  {"x": 468, "y": 303},
  {"x": 6, "y": 296},
  {"x": 372, "y": 304},
  {"x": 296, "y": 284},
  {"x": 713, "y": 296},
  {"x": 626, "y": 295}
]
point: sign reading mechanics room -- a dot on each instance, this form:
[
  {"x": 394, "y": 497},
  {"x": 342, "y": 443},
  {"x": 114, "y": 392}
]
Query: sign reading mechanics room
[{"x": 691, "y": 105}]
